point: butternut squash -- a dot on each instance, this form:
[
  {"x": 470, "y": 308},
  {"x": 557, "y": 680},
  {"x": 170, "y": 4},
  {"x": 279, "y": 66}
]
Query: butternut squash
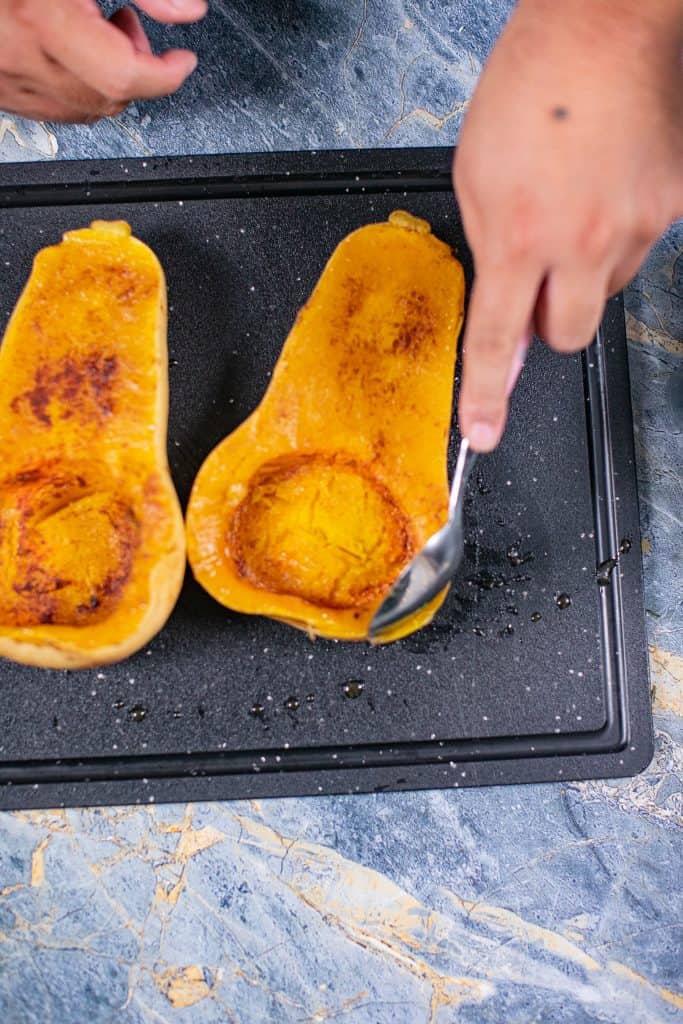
[
  {"x": 92, "y": 546},
  {"x": 310, "y": 509}
]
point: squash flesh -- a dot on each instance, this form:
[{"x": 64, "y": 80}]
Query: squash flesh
[
  {"x": 311, "y": 508},
  {"x": 319, "y": 528},
  {"x": 91, "y": 539}
]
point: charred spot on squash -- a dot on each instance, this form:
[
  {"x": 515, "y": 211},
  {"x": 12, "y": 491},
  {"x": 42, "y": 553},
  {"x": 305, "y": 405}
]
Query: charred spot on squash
[
  {"x": 415, "y": 330},
  {"x": 320, "y": 527},
  {"x": 67, "y": 546},
  {"x": 81, "y": 387},
  {"x": 355, "y": 291},
  {"x": 127, "y": 285}
]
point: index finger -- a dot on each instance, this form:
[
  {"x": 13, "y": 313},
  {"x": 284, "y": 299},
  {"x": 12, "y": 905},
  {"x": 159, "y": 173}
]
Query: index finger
[
  {"x": 500, "y": 311},
  {"x": 106, "y": 60}
]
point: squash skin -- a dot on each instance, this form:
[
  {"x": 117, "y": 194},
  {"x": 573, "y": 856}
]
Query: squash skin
[
  {"x": 350, "y": 437},
  {"x": 92, "y": 546}
]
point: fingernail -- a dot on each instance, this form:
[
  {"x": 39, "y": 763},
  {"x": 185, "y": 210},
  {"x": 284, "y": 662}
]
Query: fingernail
[{"x": 482, "y": 437}]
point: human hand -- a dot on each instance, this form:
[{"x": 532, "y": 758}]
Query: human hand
[
  {"x": 61, "y": 60},
  {"x": 570, "y": 166}
]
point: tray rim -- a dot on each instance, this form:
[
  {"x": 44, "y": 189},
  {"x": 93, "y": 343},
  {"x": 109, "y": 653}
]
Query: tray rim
[{"x": 623, "y": 745}]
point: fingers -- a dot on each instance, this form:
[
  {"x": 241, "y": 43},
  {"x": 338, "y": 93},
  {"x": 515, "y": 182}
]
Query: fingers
[
  {"x": 174, "y": 11},
  {"x": 64, "y": 62},
  {"x": 128, "y": 22},
  {"x": 107, "y": 61},
  {"x": 501, "y": 308},
  {"x": 570, "y": 307},
  {"x": 47, "y": 91},
  {"x": 37, "y": 107}
]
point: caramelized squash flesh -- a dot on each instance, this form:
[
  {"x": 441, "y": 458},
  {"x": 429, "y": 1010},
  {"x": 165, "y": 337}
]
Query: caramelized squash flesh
[
  {"x": 91, "y": 538},
  {"x": 67, "y": 546},
  {"x": 288, "y": 536},
  {"x": 310, "y": 510}
]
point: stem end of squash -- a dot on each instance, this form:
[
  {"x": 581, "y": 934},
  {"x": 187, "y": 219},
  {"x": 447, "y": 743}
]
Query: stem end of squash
[{"x": 403, "y": 219}]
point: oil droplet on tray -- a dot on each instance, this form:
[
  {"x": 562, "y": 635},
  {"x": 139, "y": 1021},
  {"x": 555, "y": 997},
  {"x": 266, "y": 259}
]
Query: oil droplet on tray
[
  {"x": 353, "y": 689},
  {"x": 515, "y": 556},
  {"x": 563, "y": 601},
  {"x": 604, "y": 571},
  {"x": 536, "y": 616},
  {"x": 138, "y": 713},
  {"x": 257, "y": 710},
  {"x": 292, "y": 703}
]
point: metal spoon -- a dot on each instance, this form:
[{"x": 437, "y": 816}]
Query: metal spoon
[{"x": 434, "y": 567}]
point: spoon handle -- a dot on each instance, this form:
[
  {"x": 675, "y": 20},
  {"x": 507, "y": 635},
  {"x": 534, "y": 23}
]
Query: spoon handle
[{"x": 463, "y": 467}]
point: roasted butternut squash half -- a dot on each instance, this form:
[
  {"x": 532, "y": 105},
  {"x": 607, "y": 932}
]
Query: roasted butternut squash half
[
  {"x": 311, "y": 508},
  {"x": 92, "y": 545}
]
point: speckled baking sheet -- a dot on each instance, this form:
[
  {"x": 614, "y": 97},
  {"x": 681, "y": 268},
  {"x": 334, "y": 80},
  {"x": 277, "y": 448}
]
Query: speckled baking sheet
[{"x": 531, "y": 671}]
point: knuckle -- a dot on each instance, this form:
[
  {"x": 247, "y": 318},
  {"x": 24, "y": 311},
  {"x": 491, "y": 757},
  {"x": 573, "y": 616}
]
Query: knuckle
[
  {"x": 26, "y": 13},
  {"x": 525, "y": 239},
  {"x": 525, "y": 229},
  {"x": 490, "y": 346},
  {"x": 476, "y": 402},
  {"x": 520, "y": 242},
  {"x": 596, "y": 236}
]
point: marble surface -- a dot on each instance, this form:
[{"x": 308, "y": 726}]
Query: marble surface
[{"x": 542, "y": 903}]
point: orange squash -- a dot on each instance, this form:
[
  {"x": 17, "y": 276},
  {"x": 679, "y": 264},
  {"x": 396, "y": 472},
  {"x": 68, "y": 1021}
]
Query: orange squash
[
  {"x": 310, "y": 509},
  {"x": 92, "y": 546}
]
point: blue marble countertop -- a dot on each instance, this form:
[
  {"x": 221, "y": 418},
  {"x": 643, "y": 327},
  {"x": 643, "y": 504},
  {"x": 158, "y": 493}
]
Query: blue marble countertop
[{"x": 552, "y": 903}]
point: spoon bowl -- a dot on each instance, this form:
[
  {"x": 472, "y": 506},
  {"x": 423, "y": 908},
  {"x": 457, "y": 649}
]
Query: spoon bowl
[{"x": 434, "y": 566}]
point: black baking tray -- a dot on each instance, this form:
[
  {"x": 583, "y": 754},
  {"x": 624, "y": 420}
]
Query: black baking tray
[{"x": 489, "y": 692}]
